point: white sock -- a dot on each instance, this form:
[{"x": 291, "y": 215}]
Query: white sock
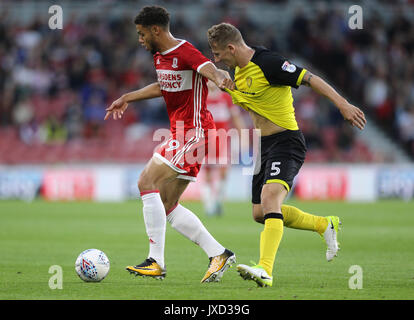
[
  {"x": 190, "y": 226},
  {"x": 155, "y": 223}
]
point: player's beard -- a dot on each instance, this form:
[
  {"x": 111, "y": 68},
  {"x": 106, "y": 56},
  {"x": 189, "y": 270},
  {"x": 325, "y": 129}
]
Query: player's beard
[{"x": 153, "y": 48}]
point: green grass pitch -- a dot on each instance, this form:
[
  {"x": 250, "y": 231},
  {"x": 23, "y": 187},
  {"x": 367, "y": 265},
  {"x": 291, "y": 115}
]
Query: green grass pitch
[{"x": 378, "y": 237}]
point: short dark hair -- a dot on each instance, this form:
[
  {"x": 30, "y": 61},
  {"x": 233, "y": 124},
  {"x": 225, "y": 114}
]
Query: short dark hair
[{"x": 153, "y": 15}]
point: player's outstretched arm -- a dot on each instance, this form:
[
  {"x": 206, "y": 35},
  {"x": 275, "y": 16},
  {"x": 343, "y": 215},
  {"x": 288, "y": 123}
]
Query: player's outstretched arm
[
  {"x": 118, "y": 107},
  {"x": 351, "y": 113},
  {"x": 220, "y": 77}
]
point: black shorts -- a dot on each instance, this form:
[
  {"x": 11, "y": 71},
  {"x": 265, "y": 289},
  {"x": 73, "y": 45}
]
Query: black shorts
[{"x": 282, "y": 155}]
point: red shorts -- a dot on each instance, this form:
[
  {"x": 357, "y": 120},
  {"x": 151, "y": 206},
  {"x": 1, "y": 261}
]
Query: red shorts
[{"x": 184, "y": 152}]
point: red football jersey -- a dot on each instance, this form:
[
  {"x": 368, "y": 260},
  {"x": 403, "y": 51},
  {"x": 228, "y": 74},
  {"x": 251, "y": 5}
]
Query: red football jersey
[
  {"x": 183, "y": 88},
  {"x": 219, "y": 104}
]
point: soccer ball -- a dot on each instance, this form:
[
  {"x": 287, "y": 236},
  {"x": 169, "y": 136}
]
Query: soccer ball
[{"x": 92, "y": 265}]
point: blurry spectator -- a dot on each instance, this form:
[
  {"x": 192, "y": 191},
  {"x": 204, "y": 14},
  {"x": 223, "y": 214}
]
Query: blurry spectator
[
  {"x": 376, "y": 89},
  {"x": 53, "y": 131},
  {"x": 94, "y": 108},
  {"x": 73, "y": 118},
  {"x": 29, "y": 132},
  {"x": 23, "y": 112},
  {"x": 346, "y": 137},
  {"x": 94, "y": 113},
  {"x": 405, "y": 123},
  {"x": 23, "y": 117}
]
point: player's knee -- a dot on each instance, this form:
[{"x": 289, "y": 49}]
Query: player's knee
[
  {"x": 272, "y": 197},
  {"x": 145, "y": 184},
  {"x": 257, "y": 213},
  {"x": 270, "y": 204},
  {"x": 168, "y": 202},
  {"x": 258, "y": 219}
]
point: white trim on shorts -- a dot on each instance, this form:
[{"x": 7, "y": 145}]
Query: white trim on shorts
[
  {"x": 168, "y": 163},
  {"x": 184, "y": 177}
]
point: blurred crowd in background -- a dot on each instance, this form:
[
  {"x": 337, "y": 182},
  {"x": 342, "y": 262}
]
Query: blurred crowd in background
[{"x": 56, "y": 84}]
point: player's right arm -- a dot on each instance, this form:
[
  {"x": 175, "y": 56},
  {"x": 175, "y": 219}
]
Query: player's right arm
[
  {"x": 118, "y": 107},
  {"x": 198, "y": 62},
  {"x": 220, "y": 77}
]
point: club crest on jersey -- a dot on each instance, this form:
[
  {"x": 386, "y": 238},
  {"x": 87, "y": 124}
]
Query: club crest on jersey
[
  {"x": 249, "y": 81},
  {"x": 175, "y": 63},
  {"x": 158, "y": 61},
  {"x": 288, "y": 67}
]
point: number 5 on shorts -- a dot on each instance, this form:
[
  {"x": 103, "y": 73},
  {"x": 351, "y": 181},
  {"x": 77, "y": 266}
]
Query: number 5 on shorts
[{"x": 275, "y": 170}]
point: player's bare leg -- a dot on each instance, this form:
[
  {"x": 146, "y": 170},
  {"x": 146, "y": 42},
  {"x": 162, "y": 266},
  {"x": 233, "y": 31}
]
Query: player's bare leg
[
  {"x": 190, "y": 226},
  {"x": 154, "y": 176},
  {"x": 171, "y": 193}
]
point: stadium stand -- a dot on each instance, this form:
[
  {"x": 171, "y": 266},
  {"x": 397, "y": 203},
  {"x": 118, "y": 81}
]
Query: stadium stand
[{"x": 55, "y": 84}]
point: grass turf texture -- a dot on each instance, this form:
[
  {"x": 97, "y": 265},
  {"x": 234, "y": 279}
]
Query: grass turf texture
[{"x": 378, "y": 237}]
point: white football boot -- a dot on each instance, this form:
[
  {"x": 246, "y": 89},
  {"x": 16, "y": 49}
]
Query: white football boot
[
  {"x": 255, "y": 273},
  {"x": 330, "y": 237}
]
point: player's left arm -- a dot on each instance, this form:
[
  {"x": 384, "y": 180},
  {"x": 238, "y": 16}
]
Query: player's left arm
[
  {"x": 351, "y": 113},
  {"x": 220, "y": 77}
]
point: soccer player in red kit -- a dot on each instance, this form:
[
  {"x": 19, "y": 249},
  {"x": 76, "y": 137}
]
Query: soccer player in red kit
[
  {"x": 182, "y": 73},
  {"x": 226, "y": 116}
]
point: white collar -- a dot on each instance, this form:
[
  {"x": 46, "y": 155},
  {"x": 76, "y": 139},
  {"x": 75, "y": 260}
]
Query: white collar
[{"x": 173, "y": 48}]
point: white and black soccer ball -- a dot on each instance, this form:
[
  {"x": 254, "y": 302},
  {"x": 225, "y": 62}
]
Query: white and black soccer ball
[{"x": 92, "y": 265}]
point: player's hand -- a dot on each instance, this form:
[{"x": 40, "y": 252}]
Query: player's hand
[
  {"x": 224, "y": 81},
  {"x": 117, "y": 109},
  {"x": 353, "y": 115},
  {"x": 227, "y": 84}
]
